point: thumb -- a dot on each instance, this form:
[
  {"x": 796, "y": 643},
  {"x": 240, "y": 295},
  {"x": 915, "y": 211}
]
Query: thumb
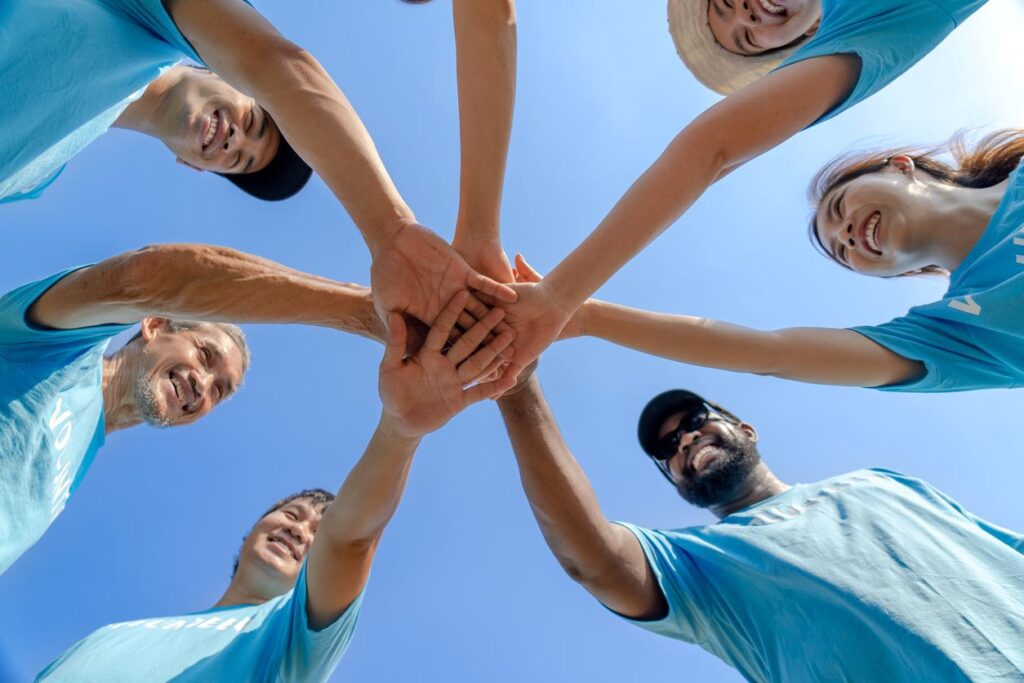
[
  {"x": 394, "y": 351},
  {"x": 526, "y": 271}
]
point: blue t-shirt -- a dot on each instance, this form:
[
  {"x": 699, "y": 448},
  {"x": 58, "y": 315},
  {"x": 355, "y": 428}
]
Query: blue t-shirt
[
  {"x": 972, "y": 338},
  {"x": 51, "y": 416},
  {"x": 889, "y": 37},
  {"x": 269, "y": 642},
  {"x": 68, "y": 68},
  {"x": 869, "y": 576}
]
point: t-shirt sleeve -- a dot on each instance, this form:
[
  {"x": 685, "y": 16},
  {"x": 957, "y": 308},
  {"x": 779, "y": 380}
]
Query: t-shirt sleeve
[
  {"x": 953, "y": 362},
  {"x": 153, "y": 16},
  {"x": 19, "y": 337},
  {"x": 674, "y": 570},
  {"x": 312, "y": 655}
]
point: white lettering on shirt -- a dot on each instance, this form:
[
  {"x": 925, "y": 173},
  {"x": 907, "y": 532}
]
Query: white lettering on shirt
[
  {"x": 780, "y": 513},
  {"x": 968, "y": 305},
  {"x": 61, "y": 425},
  {"x": 176, "y": 624}
]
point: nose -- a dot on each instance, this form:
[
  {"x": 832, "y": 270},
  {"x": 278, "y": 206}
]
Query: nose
[
  {"x": 297, "y": 533},
  {"x": 202, "y": 382},
  {"x": 234, "y": 140},
  {"x": 747, "y": 15}
]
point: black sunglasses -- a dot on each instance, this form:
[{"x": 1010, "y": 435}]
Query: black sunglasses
[{"x": 694, "y": 417}]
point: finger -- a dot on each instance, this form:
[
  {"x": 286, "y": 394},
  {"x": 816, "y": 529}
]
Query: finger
[
  {"x": 475, "y": 365},
  {"x": 394, "y": 350},
  {"x": 526, "y": 271},
  {"x": 474, "y": 336},
  {"x": 466, "y": 320},
  {"x": 492, "y": 372},
  {"x": 489, "y": 287},
  {"x": 477, "y": 308},
  {"x": 445, "y": 322},
  {"x": 512, "y": 372},
  {"x": 493, "y": 389}
]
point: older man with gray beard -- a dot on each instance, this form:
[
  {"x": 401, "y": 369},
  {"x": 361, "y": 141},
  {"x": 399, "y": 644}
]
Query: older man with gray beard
[{"x": 60, "y": 395}]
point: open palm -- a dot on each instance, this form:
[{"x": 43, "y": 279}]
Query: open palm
[{"x": 425, "y": 391}]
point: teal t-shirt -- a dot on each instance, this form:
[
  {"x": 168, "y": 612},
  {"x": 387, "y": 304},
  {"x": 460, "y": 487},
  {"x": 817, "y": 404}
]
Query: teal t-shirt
[
  {"x": 269, "y": 642},
  {"x": 51, "y": 416},
  {"x": 972, "y": 338},
  {"x": 889, "y": 37},
  {"x": 868, "y": 576},
  {"x": 68, "y": 68}
]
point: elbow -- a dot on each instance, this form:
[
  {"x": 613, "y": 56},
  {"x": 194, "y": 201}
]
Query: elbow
[{"x": 283, "y": 65}]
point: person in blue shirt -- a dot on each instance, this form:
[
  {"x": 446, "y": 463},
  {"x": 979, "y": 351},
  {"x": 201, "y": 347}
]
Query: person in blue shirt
[
  {"x": 889, "y": 213},
  {"x": 785, "y": 65},
  {"x": 69, "y": 64},
  {"x": 291, "y": 607},
  {"x": 60, "y": 395},
  {"x": 866, "y": 576}
]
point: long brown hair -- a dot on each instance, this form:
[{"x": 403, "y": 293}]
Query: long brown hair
[{"x": 985, "y": 163}]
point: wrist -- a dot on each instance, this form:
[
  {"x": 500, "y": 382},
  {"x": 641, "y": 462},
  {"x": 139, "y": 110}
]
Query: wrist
[
  {"x": 392, "y": 432},
  {"x": 524, "y": 393},
  {"x": 381, "y": 234}
]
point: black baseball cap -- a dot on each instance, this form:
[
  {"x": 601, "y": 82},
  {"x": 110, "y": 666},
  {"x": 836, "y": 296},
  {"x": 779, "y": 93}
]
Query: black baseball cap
[
  {"x": 282, "y": 178},
  {"x": 661, "y": 407}
]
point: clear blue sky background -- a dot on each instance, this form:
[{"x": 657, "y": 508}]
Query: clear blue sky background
[{"x": 464, "y": 588}]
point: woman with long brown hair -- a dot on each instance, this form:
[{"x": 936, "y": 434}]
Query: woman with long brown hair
[{"x": 893, "y": 213}]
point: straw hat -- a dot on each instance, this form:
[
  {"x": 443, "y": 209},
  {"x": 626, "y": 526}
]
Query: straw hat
[{"x": 713, "y": 65}]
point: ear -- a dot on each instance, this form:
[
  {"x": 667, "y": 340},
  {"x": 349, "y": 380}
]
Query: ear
[
  {"x": 903, "y": 164},
  {"x": 185, "y": 163},
  {"x": 749, "y": 430},
  {"x": 152, "y": 326}
]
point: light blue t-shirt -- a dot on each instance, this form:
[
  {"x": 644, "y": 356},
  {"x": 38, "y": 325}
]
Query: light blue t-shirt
[
  {"x": 51, "y": 416},
  {"x": 869, "y": 576},
  {"x": 889, "y": 37},
  {"x": 972, "y": 338},
  {"x": 269, "y": 642},
  {"x": 68, "y": 68}
]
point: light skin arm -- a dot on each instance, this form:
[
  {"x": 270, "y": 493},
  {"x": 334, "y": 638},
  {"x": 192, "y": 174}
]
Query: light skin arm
[
  {"x": 604, "y": 558},
  {"x": 203, "y": 282},
  {"x": 485, "y": 46},
  {"x": 419, "y": 394},
  {"x": 732, "y": 132},
  {"x": 414, "y": 271}
]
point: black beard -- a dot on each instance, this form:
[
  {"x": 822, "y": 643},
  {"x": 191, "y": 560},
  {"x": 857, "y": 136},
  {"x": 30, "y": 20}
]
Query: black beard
[{"x": 722, "y": 480}]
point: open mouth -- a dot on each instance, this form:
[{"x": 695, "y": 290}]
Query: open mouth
[
  {"x": 212, "y": 127},
  {"x": 771, "y": 7},
  {"x": 869, "y": 233},
  {"x": 182, "y": 389},
  {"x": 701, "y": 456},
  {"x": 281, "y": 542}
]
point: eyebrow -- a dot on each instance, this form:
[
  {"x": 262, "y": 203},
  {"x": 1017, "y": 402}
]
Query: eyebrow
[{"x": 718, "y": 10}]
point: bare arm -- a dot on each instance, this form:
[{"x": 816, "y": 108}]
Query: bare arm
[
  {"x": 312, "y": 112},
  {"x": 604, "y": 558},
  {"x": 806, "y": 354},
  {"x": 203, "y": 282},
  {"x": 735, "y": 130},
  {"x": 485, "y": 41}
]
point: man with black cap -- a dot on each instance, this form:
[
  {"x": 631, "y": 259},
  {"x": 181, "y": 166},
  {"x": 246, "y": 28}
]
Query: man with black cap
[
  {"x": 867, "y": 576},
  {"x": 70, "y": 68}
]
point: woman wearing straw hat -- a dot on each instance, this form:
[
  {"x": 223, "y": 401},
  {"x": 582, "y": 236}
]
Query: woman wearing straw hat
[
  {"x": 887, "y": 213},
  {"x": 785, "y": 65}
]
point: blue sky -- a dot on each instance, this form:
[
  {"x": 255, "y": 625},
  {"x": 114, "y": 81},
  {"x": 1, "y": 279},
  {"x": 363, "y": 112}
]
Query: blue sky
[{"x": 464, "y": 588}]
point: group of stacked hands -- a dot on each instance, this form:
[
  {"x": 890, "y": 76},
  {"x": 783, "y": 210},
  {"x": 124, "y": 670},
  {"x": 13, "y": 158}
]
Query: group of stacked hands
[{"x": 871, "y": 575}]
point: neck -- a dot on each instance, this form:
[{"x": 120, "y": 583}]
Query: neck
[
  {"x": 243, "y": 592},
  {"x": 144, "y": 115},
  {"x": 761, "y": 485},
  {"x": 119, "y": 410},
  {"x": 964, "y": 215}
]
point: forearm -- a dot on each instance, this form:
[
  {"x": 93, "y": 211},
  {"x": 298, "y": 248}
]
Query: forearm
[
  {"x": 372, "y": 491},
  {"x": 203, "y": 282},
  {"x": 485, "y": 41},
  {"x": 562, "y": 500},
  {"x": 806, "y": 354}
]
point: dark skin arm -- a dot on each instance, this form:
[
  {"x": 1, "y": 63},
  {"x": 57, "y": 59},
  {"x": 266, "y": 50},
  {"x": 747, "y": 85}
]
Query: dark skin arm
[{"x": 605, "y": 558}]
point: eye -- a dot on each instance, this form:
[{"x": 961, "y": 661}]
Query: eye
[
  {"x": 250, "y": 119},
  {"x": 290, "y": 515},
  {"x": 207, "y": 356},
  {"x": 727, "y": 3},
  {"x": 237, "y": 161},
  {"x": 842, "y": 254}
]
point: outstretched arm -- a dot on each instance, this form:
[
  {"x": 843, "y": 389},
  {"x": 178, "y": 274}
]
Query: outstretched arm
[
  {"x": 604, "y": 558},
  {"x": 485, "y": 45},
  {"x": 203, "y": 282},
  {"x": 732, "y": 132},
  {"x": 419, "y": 394}
]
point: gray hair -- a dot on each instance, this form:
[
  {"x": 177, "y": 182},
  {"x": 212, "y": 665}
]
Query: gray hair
[{"x": 234, "y": 332}]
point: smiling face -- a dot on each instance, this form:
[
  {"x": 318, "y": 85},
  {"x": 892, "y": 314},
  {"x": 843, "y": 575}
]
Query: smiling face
[
  {"x": 273, "y": 552},
  {"x": 712, "y": 464},
  {"x": 880, "y": 223},
  {"x": 752, "y": 27},
  {"x": 211, "y": 126},
  {"x": 181, "y": 375}
]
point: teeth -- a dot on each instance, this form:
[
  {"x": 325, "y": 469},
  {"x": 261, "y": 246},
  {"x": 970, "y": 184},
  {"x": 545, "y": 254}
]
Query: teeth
[
  {"x": 771, "y": 7},
  {"x": 214, "y": 125},
  {"x": 178, "y": 389},
  {"x": 869, "y": 233}
]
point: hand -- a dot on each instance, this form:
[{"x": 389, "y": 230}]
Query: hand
[
  {"x": 416, "y": 272},
  {"x": 420, "y": 394},
  {"x": 484, "y": 255},
  {"x": 537, "y": 320},
  {"x": 576, "y": 326}
]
